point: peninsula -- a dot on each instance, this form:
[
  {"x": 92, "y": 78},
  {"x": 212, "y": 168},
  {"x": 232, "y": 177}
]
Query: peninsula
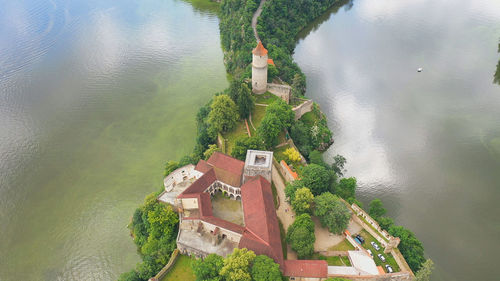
[{"x": 255, "y": 200}]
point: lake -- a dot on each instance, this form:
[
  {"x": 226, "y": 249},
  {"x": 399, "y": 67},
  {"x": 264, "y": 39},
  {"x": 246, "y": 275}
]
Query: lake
[
  {"x": 427, "y": 144},
  {"x": 95, "y": 96}
]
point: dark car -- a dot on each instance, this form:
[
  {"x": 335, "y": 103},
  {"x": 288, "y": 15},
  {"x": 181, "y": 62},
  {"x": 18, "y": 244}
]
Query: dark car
[{"x": 360, "y": 238}]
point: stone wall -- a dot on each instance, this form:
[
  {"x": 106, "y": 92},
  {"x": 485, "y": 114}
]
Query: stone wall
[
  {"x": 360, "y": 212},
  {"x": 281, "y": 91},
  {"x": 286, "y": 172},
  {"x": 398, "y": 276},
  {"x": 167, "y": 267},
  {"x": 302, "y": 109}
]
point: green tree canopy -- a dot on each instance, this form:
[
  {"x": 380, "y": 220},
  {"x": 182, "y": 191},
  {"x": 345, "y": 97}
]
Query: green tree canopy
[
  {"x": 411, "y": 248},
  {"x": 346, "y": 188},
  {"x": 338, "y": 165},
  {"x": 242, "y": 97},
  {"x": 300, "y": 236},
  {"x": 223, "y": 114},
  {"x": 376, "y": 208},
  {"x": 302, "y": 201},
  {"x": 317, "y": 178},
  {"x": 170, "y": 167},
  {"x": 332, "y": 212},
  {"x": 208, "y": 268},
  {"x": 237, "y": 265},
  {"x": 385, "y": 222},
  {"x": 244, "y": 143},
  {"x": 265, "y": 269},
  {"x": 283, "y": 111},
  {"x": 211, "y": 149},
  {"x": 269, "y": 129},
  {"x": 424, "y": 274}
]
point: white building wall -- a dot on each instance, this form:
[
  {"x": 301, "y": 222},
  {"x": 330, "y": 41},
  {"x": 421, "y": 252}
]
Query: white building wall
[{"x": 259, "y": 74}]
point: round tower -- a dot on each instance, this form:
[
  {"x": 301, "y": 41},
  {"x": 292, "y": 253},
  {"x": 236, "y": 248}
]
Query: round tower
[{"x": 259, "y": 69}]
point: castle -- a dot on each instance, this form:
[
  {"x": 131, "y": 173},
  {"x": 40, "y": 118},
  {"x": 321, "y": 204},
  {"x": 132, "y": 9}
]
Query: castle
[{"x": 260, "y": 63}]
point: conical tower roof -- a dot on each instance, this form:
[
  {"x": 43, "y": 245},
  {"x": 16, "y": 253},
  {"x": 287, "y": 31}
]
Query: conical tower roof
[{"x": 259, "y": 50}]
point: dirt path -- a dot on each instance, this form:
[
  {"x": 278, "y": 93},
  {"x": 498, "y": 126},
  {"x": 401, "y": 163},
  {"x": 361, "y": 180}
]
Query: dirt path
[
  {"x": 254, "y": 19},
  {"x": 284, "y": 212}
]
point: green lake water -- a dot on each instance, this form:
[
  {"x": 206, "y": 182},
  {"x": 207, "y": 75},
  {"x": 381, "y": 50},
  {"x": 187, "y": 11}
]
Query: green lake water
[{"x": 94, "y": 97}]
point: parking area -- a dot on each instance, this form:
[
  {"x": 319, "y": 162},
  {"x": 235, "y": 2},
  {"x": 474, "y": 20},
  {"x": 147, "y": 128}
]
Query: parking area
[{"x": 389, "y": 259}]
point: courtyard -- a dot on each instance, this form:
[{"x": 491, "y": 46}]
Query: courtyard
[{"x": 227, "y": 209}]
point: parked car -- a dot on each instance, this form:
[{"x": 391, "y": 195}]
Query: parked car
[
  {"x": 360, "y": 238},
  {"x": 389, "y": 268},
  {"x": 370, "y": 252},
  {"x": 375, "y": 245},
  {"x": 357, "y": 240},
  {"x": 381, "y": 257}
]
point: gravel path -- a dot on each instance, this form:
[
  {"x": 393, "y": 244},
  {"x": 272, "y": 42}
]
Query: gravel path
[{"x": 254, "y": 19}]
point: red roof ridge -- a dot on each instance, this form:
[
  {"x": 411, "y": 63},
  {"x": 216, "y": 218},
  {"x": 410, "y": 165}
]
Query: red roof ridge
[{"x": 259, "y": 50}]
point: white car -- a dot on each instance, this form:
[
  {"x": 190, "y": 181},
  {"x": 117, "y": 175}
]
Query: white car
[
  {"x": 375, "y": 246},
  {"x": 370, "y": 252},
  {"x": 381, "y": 257},
  {"x": 389, "y": 268}
]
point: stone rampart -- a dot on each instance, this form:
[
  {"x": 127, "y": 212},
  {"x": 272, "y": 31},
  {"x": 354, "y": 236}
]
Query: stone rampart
[
  {"x": 303, "y": 108},
  {"x": 279, "y": 90},
  {"x": 398, "y": 276},
  {"x": 167, "y": 267}
]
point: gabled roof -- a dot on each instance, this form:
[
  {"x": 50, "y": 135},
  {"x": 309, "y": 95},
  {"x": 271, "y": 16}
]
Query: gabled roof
[
  {"x": 200, "y": 185},
  {"x": 259, "y": 50},
  {"x": 306, "y": 268},
  {"x": 260, "y": 219},
  {"x": 227, "y": 169},
  {"x": 203, "y": 166}
]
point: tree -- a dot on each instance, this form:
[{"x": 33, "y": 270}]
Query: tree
[
  {"x": 237, "y": 265},
  {"x": 170, "y": 167},
  {"x": 346, "y": 188},
  {"x": 424, "y": 274},
  {"x": 411, "y": 248},
  {"x": 332, "y": 212},
  {"x": 244, "y": 143},
  {"x": 290, "y": 189},
  {"x": 385, "y": 222},
  {"x": 376, "y": 208},
  {"x": 283, "y": 111},
  {"x": 315, "y": 157},
  {"x": 223, "y": 114},
  {"x": 245, "y": 102},
  {"x": 265, "y": 269},
  {"x": 292, "y": 154},
  {"x": 302, "y": 201},
  {"x": 272, "y": 72},
  {"x": 211, "y": 149},
  {"x": 338, "y": 165},
  {"x": 316, "y": 178},
  {"x": 269, "y": 129},
  {"x": 129, "y": 276},
  {"x": 300, "y": 236},
  {"x": 208, "y": 268},
  {"x": 298, "y": 85}
]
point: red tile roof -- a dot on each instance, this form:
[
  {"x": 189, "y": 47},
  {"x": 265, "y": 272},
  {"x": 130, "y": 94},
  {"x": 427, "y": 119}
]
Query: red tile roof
[
  {"x": 271, "y": 62},
  {"x": 227, "y": 169},
  {"x": 203, "y": 166},
  {"x": 259, "y": 50},
  {"x": 224, "y": 224},
  {"x": 204, "y": 204},
  {"x": 200, "y": 185},
  {"x": 306, "y": 268},
  {"x": 260, "y": 219}
]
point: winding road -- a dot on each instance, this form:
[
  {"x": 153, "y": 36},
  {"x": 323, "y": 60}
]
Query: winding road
[{"x": 254, "y": 19}]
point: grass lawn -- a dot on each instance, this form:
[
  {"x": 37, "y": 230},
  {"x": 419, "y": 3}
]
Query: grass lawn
[
  {"x": 388, "y": 257},
  {"x": 257, "y": 116},
  {"x": 310, "y": 118},
  {"x": 342, "y": 246},
  {"x": 373, "y": 228},
  {"x": 265, "y": 98},
  {"x": 279, "y": 153},
  {"x": 230, "y": 137},
  {"x": 275, "y": 195},
  {"x": 181, "y": 270},
  {"x": 333, "y": 260}
]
